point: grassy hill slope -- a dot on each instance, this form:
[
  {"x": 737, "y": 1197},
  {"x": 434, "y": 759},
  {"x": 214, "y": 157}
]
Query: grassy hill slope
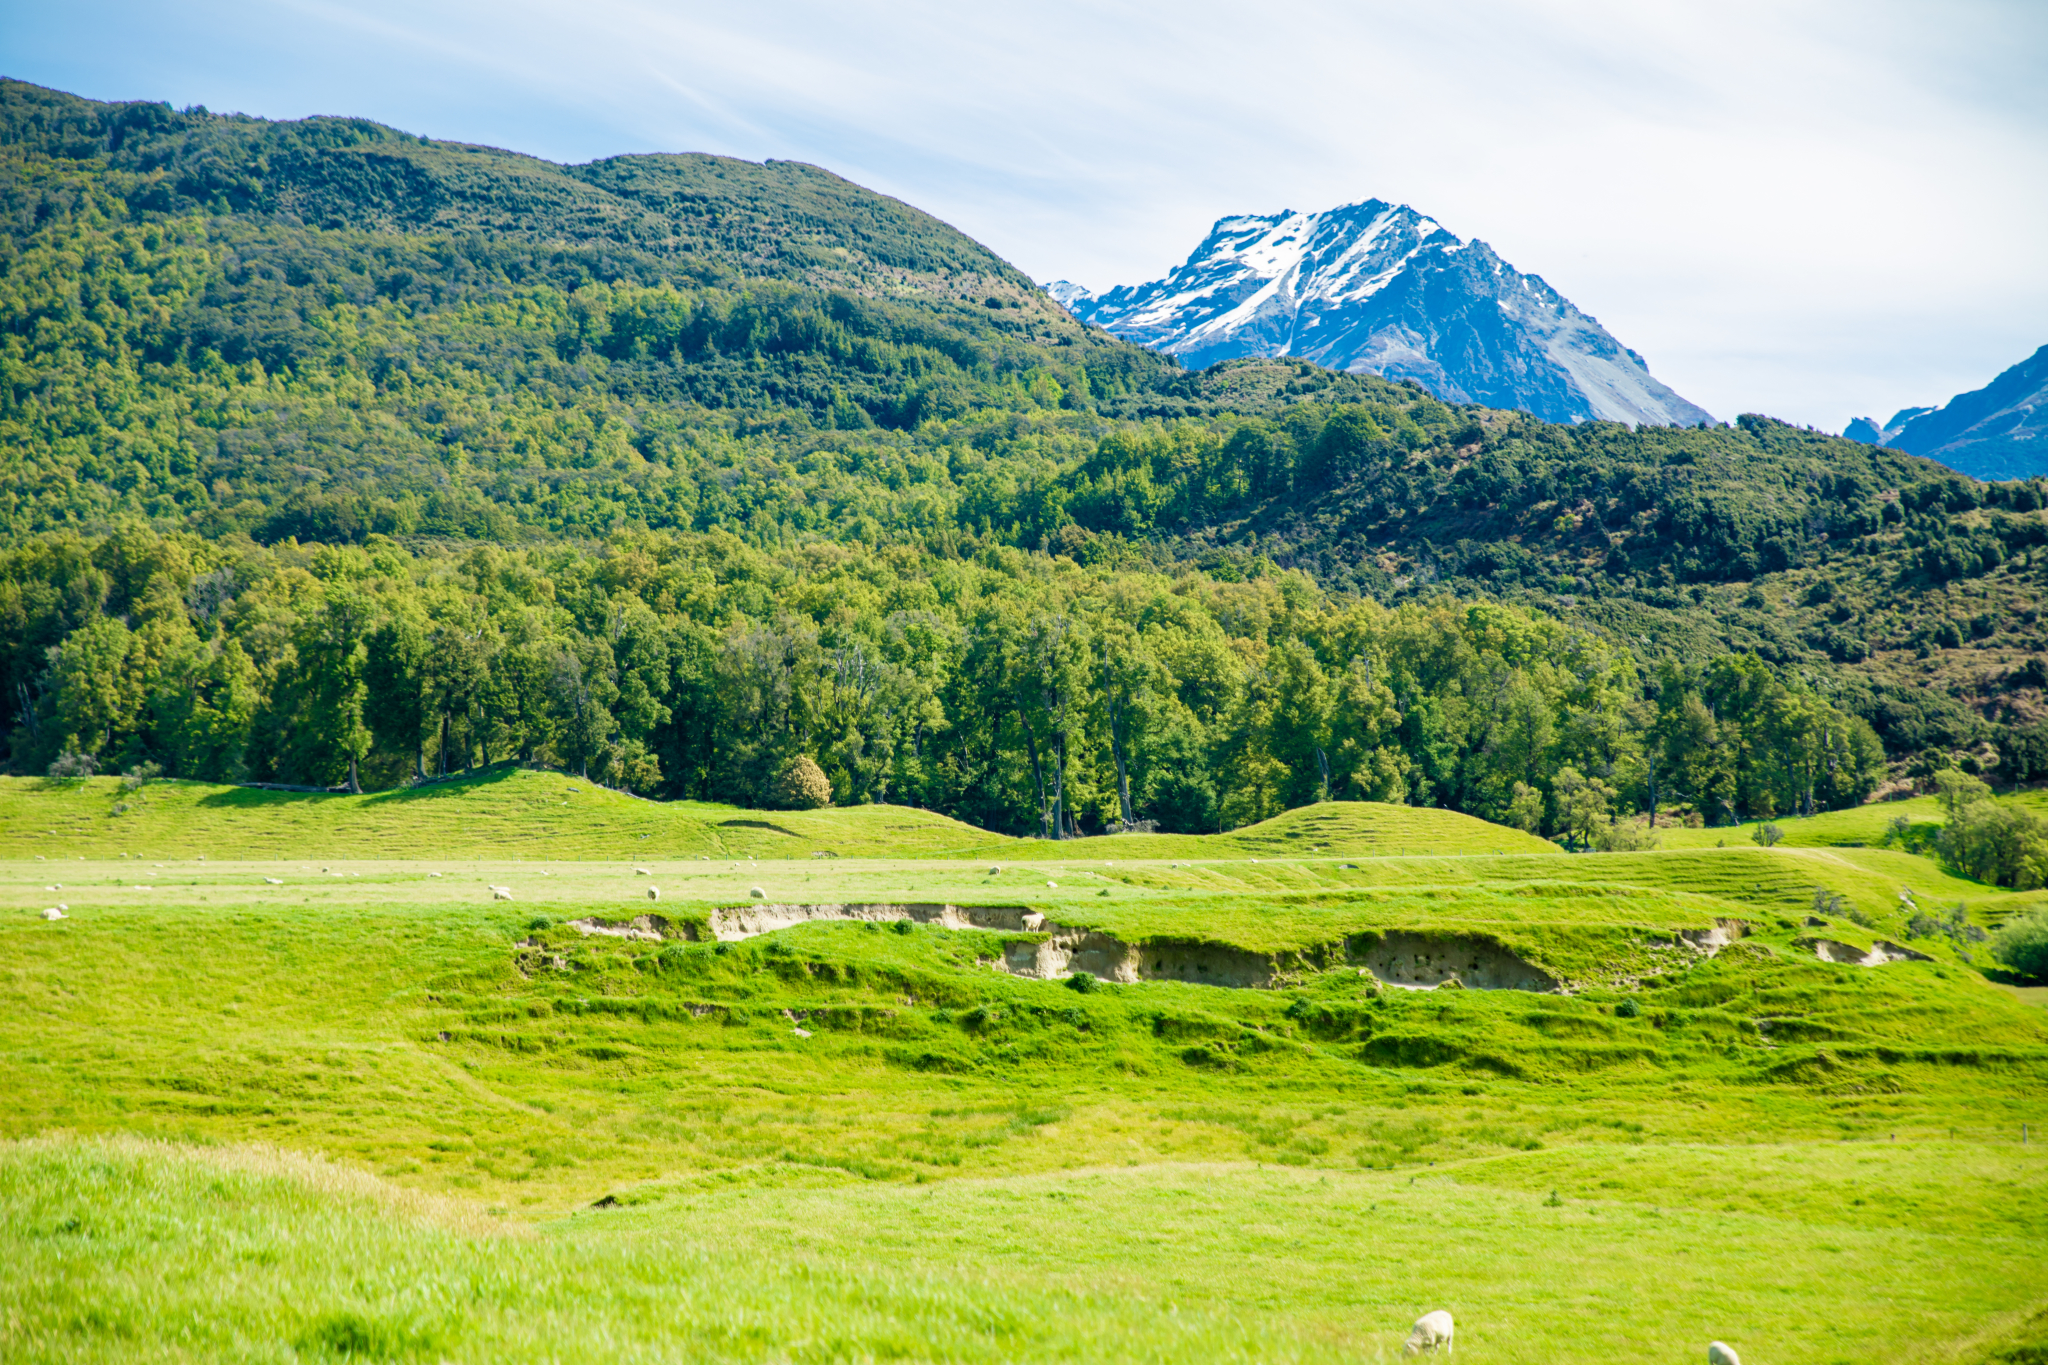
[{"x": 519, "y": 813}]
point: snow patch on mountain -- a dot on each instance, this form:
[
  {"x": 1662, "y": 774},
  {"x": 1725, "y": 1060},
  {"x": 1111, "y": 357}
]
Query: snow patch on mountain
[
  {"x": 1069, "y": 295},
  {"x": 1379, "y": 288}
]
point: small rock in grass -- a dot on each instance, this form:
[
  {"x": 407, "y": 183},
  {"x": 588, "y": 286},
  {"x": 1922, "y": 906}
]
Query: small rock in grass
[{"x": 801, "y": 1032}]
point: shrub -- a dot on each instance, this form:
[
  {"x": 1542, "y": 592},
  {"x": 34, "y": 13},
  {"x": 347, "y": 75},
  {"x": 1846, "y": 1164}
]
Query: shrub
[
  {"x": 74, "y": 765},
  {"x": 2023, "y": 945},
  {"x": 800, "y": 785},
  {"x": 1628, "y": 1009},
  {"x": 1955, "y": 927},
  {"x": 1625, "y": 837},
  {"x": 1082, "y": 982},
  {"x": 1768, "y": 835},
  {"x": 1992, "y": 842},
  {"x": 140, "y": 775}
]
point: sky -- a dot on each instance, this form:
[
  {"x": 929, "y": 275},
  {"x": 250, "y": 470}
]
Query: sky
[{"x": 1816, "y": 209}]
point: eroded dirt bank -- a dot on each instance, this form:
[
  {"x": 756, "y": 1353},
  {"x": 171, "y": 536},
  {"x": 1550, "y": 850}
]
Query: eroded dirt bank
[{"x": 1399, "y": 958}]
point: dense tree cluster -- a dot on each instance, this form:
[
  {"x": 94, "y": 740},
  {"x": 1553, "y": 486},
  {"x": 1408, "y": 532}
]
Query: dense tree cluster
[
  {"x": 334, "y": 338},
  {"x": 1016, "y": 690}
]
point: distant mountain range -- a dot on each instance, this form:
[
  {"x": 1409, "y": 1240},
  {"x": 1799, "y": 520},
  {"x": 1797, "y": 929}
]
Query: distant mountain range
[
  {"x": 1997, "y": 432},
  {"x": 1379, "y": 288}
]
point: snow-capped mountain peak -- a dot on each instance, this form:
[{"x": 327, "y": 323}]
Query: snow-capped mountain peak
[{"x": 1377, "y": 287}]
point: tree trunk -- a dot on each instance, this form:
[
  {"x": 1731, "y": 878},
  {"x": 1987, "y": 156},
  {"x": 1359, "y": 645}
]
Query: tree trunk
[
  {"x": 1323, "y": 766},
  {"x": 1037, "y": 770},
  {"x": 1059, "y": 785},
  {"x": 444, "y": 744},
  {"x": 1116, "y": 749},
  {"x": 419, "y": 761},
  {"x": 355, "y": 787}
]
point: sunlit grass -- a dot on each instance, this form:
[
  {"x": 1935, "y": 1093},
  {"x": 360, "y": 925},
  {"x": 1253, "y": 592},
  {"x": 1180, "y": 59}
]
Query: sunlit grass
[{"x": 387, "y": 1124}]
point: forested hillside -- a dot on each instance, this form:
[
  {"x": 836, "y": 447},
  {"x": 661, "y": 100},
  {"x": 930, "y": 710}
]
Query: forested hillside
[{"x": 324, "y": 441}]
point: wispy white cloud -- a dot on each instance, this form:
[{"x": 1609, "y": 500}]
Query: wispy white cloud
[{"x": 1813, "y": 208}]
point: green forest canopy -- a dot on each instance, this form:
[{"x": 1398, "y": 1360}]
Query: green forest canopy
[{"x": 328, "y": 442}]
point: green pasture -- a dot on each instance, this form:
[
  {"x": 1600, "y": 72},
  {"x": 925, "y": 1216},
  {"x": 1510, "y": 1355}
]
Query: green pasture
[
  {"x": 120, "y": 1250},
  {"x": 319, "y": 1107},
  {"x": 1856, "y": 825}
]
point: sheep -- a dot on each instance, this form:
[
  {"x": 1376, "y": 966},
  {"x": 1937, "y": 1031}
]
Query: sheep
[
  {"x": 654, "y": 893},
  {"x": 501, "y": 893},
  {"x": 1430, "y": 1331},
  {"x": 642, "y": 872},
  {"x": 273, "y": 881},
  {"x": 54, "y": 913},
  {"x": 1721, "y": 1353},
  {"x": 757, "y": 893}
]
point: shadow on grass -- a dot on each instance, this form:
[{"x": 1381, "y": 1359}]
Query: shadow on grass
[
  {"x": 759, "y": 824},
  {"x": 453, "y": 785}
]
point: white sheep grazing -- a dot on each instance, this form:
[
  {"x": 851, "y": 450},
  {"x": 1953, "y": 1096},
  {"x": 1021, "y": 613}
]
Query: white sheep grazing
[
  {"x": 273, "y": 881},
  {"x": 54, "y": 913},
  {"x": 1431, "y": 1330},
  {"x": 1721, "y": 1353},
  {"x": 501, "y": 893},
  {"x": 642, "y": 872},
  {"x": 654, "y": 893}
]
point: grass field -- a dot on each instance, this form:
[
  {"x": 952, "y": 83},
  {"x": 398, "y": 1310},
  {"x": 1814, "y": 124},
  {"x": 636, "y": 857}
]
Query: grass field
[
  {"x": 310, "y": 1106},
  {"x": 1857, "y": 825}
]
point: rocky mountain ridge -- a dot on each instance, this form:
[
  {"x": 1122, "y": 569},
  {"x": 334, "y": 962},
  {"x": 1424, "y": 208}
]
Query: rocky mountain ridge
[
  {"x": 1379, "y": 288},
  {"x": 1997, "y": 432}
]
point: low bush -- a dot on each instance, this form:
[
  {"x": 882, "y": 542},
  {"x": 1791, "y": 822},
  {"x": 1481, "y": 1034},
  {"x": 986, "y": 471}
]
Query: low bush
[
  {"x": 801, "y": 785},
  {"x": 2023, "y": 945}
]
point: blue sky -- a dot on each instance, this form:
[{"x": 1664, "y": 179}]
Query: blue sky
[{"x": 1813, "y": 208}]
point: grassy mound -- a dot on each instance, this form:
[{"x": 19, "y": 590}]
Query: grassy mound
[{"x": 512, "y": 812}]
